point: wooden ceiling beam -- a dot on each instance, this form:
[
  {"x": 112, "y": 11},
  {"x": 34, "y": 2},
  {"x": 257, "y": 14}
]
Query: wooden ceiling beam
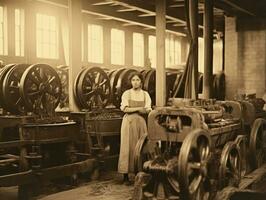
[{"x": 128, "y": 17}]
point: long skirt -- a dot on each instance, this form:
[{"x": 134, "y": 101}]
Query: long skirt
[{"x": 132, "y": 128}]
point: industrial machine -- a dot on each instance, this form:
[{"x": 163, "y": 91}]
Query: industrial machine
[
  {"x": 194, "y": 149},
  {"x": 36, "y": 144}
]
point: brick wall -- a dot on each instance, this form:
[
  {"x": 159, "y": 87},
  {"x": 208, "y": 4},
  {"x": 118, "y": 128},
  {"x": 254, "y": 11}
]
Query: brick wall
[{"x": 245, "y": 58}]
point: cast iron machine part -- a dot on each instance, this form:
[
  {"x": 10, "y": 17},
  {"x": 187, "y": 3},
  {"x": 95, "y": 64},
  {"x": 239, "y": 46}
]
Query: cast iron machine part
[
  {"x": 36, "y": 144},
  {"x": 92, "y": 88},
  {"x": 194, "y": 149}
]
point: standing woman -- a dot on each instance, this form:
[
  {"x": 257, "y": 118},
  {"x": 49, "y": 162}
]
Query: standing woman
[{"x": 135, "y": 102}]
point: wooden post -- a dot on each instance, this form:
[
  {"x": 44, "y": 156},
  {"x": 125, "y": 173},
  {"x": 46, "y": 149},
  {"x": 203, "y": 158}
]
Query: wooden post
[
  {"x": 75, "y": 23},
  {"x": 160, "y": 53},
  {"x": 208, "y": 48},
  {"x": 193, "y": 15}
]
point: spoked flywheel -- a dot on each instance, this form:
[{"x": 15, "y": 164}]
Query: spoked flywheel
[
  {"x": 192, "y": 169},
  {"x": 230, "y": 166},
  {"x": 40, "y": 88},
  {"x": 93, "y": 88},
  {"x": 12, "y": 99}
]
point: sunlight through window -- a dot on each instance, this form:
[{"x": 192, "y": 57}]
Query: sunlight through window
[
  {"x": 172, "y": 51},
  {"x": 19, "y": 32},
  {"x": 117, "y": 47},
  {"x": 152, "y": 50},
  {"x": 47, "y": 36},
  {"x": 3, "y": 38},
  {"x": 95, "y": 43},
  {"x": 138, "y": 49}
]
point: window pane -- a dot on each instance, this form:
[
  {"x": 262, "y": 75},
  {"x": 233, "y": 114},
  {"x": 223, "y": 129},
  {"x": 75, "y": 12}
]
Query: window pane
[
  {"x": 47, "y": 36},
  {"x": 152, "y": 50},
  {"x": 95, "y": 43},
  {"x": 117, "y": 47},
  {"x": 138, "y": 49},
  {"x": 2, "y": 33}
]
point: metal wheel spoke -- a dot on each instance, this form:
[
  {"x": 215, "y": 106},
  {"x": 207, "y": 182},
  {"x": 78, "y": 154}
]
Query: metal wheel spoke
[
  {"x": 34, "y": 93},
  {"x": 32, "y": 78},
  {"x": 194, "y": 185}
]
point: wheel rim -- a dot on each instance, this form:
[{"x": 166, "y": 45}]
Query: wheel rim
[
  {"x": 139, "y": 154},
  {"x": 150, "y": 83},
  {"x": 123, "y": 84},
  {"x": 12, "y": 100},
  {"x": 257, "y": 143},
  {"x": 2, "y": 77},
  {"x": 230, "y": 166},
  {"x": 78, "y": 101},
  {"x": 241, "y": 143},
  {"x": 193, "y": 158},
  {"x": 113, "y": 83},
  {"x": 40, "y": 88},
  {"x": 93, "y": 88}
]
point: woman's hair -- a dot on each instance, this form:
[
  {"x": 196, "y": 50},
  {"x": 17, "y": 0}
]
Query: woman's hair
[{"x": 138, "y": 74}]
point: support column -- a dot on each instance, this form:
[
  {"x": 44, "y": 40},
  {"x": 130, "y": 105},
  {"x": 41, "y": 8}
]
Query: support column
[
  {"x": 128, "y": 48},
  {"x": 208, "y": 48},
  {"x": 75, "y": 23},
  {"x": 160, "y": 53},
  {"x": 193, "y": 16}
]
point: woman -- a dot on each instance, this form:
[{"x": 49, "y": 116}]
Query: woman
[{"x": 135, "y": 102}]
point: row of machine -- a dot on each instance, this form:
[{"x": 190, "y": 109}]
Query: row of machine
[{"x": 193, "y": 147}]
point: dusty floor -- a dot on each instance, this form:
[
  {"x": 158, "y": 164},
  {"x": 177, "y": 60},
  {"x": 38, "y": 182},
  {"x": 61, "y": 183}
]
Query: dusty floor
[
  {"x": 108, "y": 187},
  {"x": 109, "y": 190}
]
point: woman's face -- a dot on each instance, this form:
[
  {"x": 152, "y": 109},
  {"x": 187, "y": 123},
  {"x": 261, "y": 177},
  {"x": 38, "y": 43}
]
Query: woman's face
[{"x": 135, "y": 82}]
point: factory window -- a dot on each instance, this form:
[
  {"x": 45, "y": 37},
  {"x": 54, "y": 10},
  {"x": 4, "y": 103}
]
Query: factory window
[
  {"x": 152, "y": 50},
  {"x": 19, "y": 32},
  {"x": 3, "y": 33},
  {"x": 117, "y": 47},
  {"x": 138, "y": 49},
  {"x": 47, "y": 36},
  {"x": 172, "y": 51},
  {"x": 95, "y": 43}
]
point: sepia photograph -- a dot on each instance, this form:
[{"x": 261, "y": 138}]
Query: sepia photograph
[{"x": 132, "y": 100}]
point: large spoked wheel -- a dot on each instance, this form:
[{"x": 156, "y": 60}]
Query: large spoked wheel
[
  {"x": 242, "y": 145},
  {"x": 140, "y": 154},
  {"x": 40, "y": 88},
  {"x": 192, "y": 170},
  {"x": 11, "y": 83},
  {"x": 93, "y": 88},
  {"x": 257, "y": 143},
  {"x": 230, "y": 166}
]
